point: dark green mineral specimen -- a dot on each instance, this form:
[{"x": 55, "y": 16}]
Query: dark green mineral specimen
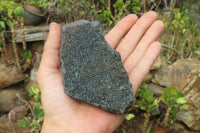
[{"x": 92, "y": 71}]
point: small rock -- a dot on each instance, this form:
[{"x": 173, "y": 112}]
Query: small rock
[
  {"x": 148, "y": 77},
  {"x": 9, "y": 99},
  {"x": 32, "y": 80},
  {"x": 157, "y": 64},
  {"x": 190, "y": 116},
  {"x": 184, "y": 71},
  {"x": 92, "y": 71},
  {"x": 18, "y": 113},
  {"x": 176, "y": 128},
  {"x": 155, "y": 89},
  {"x": 185, "y": 76},
  {"x": 9, "y": 74},
  {"x": 178, "y": 74},
  {"x": 7, "y": 126},
  {"x": 163, "y": 76}
]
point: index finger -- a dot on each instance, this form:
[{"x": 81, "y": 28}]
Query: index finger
[
  {"x": 51, "y": 53},
  {"x": 115, "y": 35}
]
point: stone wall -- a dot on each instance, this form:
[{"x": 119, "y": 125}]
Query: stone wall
[
  {"x": 13, "y": 90},
  {"x": 184, "y": 74}
]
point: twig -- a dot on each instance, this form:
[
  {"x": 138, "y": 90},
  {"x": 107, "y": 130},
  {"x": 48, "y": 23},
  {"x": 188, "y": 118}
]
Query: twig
[
  {"x": 109, "y": 4},
  {"x": 123, "y": 130},
  {"x": 165, "y": 4},
  {"x": 4, "y": 51},
  {"x": 108, "y": 8},
  {"x": 197, "y": 52},
  {"x": 167, "y": 115},
  {"x": 171, "y": 46},
  {"x": 154, "y": 5},
  {"x": 182, "y": 48},
  {"x": 144, "y": 5},
  {"x": 23, "y": 33},
  {"x": 146, "y": 121},
  {"x": 168, "y": 47},
  {"x": 172, "y": 8},
  {"x": 15, "y": 48},
  {"x": 157, "y": 7},
  {"x": 26, "y": 103}
]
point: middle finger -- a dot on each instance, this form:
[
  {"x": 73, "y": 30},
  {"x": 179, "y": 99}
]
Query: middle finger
[{"x": 132, "y": 38}]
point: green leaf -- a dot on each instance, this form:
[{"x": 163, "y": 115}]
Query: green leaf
[
  {"x": 24, "y": 122},
  {"x": 118, "y": 4},
  {"x": 2, "y": 26},
  {"x": 181, "y": 100},
  {"x": 148, "y": 97},
  {"x": 26, "y": 54},
  {"x": 105, "y": 15},
  {"x": 34, "y": 91},
  {"x": 38, "y": 112},
  {"x": 152, "y": 107},
  {"x": 19, "y": 11},
  {"x": 37, "y": 103},
  {"x": 173, "y": 111},
  {"x": 9, "y": 23},
  {"x": 81, "y": 13},
  {"x": 83, "y": 2},
  {"x": 143, "y": 86},
  {"x": 1, "y": 43},
  {"x": 30, "y": 91},
  {"x": 36, "y": 125},
  {"x": 142, "y": 107},
  {"x": 129, "y": 116},
  {"x": 182, "y": 107},
  {"x": 135, "y": 9},
  {"x": 171, "y": 95},
  {"x": 180, "y": 94},
  {"x": 165, "y": 21},
  {"x": 197, "y": 42}
]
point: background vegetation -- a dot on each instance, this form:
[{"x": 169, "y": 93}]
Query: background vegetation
[{"x": 180, "y": 40}]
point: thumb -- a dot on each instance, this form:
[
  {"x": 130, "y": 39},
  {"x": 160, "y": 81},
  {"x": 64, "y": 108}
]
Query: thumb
[{"x": 51, "y": 53}]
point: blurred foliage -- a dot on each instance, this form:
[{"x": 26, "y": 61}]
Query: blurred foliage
[
  {"x": 171, "y": 99},
  {"x": 11, "y": 13},
  {"x": 1, "y": 43},
  {"x": 181, "y": 36},
  {"x": 129, "y": 116},
  {"x": 174, "y": 101},
  {"x": 148, "y": 103},
  {"x": 40, "y": 3},
  {"x": 106, "y": 11},
  {"x": 180, "y": 40},
  {"x": 34, "y": 122},
  {"x": 19, "y": 11}
]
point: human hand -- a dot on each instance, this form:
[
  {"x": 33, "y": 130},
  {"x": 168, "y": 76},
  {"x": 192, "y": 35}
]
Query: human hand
[{"x": 138, "y": 51}]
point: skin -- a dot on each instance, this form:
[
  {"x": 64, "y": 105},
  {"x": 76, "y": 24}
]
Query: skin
[{"x": 138, "y": 50}]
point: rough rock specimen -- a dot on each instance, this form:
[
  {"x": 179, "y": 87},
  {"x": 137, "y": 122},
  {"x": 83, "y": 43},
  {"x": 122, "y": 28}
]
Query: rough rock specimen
[
  {"x": 9, "y": 74},
  {"x": 92, "y": 71}
]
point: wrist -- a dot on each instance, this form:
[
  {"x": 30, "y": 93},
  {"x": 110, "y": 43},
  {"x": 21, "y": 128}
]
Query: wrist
[
  {"x": 74, "y": 125},
  {"x": 54, "y": 127}
]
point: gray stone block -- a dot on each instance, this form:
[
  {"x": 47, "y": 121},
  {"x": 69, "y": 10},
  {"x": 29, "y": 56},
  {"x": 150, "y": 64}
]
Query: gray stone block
[{"x": 92, "y": 71}]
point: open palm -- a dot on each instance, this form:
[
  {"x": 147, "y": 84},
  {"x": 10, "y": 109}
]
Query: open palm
[{"x": 135, "y": 40}]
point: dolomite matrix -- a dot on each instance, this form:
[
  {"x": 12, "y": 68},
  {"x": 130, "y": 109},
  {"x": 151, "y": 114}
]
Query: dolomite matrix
[{"x": 92, "y": 71}]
